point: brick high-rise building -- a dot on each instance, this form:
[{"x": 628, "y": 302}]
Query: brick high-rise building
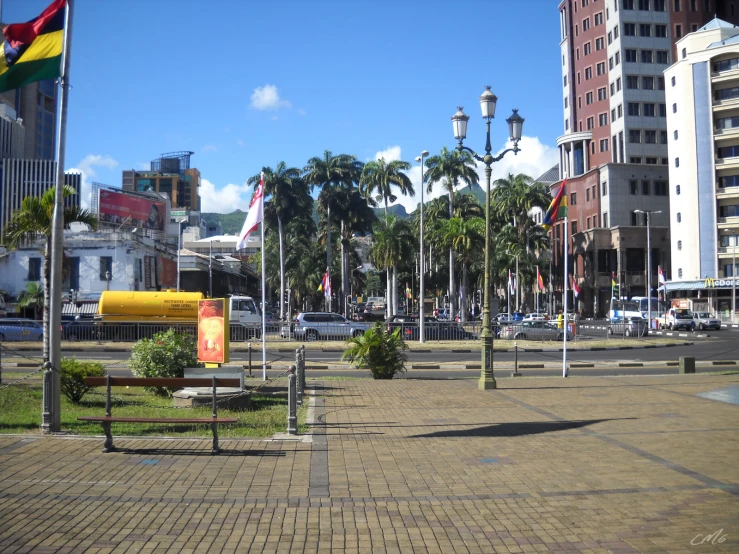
[
  {"x": 614, "y": 148},
  {"x": 170, "y": 174}
]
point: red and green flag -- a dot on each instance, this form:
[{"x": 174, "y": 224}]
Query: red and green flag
[{"x": 32, "y": 51}]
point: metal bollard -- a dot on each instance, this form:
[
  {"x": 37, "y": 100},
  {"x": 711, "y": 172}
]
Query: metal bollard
[
  {"x": 515, "y": 361},
  {"x": 249, "y": 345},
  {"x": 292, "y": 418},
  {"x": 47, "y": 398},
  {"x": 299, "y": 396},
  {"x": 302, "y": 363}
]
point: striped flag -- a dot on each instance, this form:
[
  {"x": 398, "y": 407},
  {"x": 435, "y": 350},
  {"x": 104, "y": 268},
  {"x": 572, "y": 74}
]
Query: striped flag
[
  {"x": 575, "y": 287},
  {"x": 539, "y": 280},
  {"x": 32, "y": 51},
  {"x": 254, "y": 217}
]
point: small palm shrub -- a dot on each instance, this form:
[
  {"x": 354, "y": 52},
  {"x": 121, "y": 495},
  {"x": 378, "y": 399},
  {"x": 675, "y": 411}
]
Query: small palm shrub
[
  {"x": 73, "y": 377},
  {"x": 166, "y": 354},
  {"x": 383, "y": 353}
]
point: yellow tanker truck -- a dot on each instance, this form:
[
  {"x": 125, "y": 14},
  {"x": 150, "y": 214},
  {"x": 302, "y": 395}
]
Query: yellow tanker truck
[{"x": 168, "y": 306}]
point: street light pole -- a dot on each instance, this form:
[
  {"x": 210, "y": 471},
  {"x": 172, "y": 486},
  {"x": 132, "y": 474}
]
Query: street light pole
[
  {"x": 515, "y": 126},
  {"x": 421, "y": 325},
  {"x": 649, "y": 267},
  {"x": 210, "y": 269}
]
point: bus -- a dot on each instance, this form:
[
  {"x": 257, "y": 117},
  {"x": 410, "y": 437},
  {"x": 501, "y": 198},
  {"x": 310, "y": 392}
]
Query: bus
[
  {"x": 623, "y": 308},
  {"x": 658, "y": 307}
]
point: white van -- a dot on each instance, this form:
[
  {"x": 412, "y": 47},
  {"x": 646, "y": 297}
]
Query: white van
[{"x": 246, "y": 313}]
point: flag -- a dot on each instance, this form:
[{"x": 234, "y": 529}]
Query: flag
[
  {"x": 32, "y": 51},
  {"x": 575, "y": 287},
  {"x": 614, "y": 284},
  {"x": 323, "y": 286},
  {"x": 660, "y": 278},
  {"x": 254, "y": 217},
  {"x": 557, "y": 208},
  {"x": 539, "y": 280},
  {"x": 511, "y": 283},
  {"x": 408, "y": 292}
]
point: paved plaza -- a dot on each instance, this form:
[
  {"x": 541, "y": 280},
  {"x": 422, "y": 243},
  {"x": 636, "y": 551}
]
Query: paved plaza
[{"x": 584, "y": 464}]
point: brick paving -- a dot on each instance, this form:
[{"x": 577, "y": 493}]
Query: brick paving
[{"x": 628, "y": 464}]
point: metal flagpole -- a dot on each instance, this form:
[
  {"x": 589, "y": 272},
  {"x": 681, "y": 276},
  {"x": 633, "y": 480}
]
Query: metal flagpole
[
  {"x": 51, "y": 415},
  {"x": 564, "y": 303},
  {"x": 264, "y": 308},
  {"x": 537, "y": 290}
]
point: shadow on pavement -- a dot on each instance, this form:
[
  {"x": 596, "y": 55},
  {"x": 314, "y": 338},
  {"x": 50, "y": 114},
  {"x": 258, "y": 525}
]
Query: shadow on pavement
[
  {"x": 188, "y": 452},
  {"x": 515, "y": 429}
]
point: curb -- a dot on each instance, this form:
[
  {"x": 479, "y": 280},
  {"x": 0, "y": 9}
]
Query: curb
[{"x": 598, "y": 348}]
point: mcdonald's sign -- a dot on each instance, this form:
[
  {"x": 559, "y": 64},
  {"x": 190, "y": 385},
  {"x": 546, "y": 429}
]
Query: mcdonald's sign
[{"x": 709, "y": 283}]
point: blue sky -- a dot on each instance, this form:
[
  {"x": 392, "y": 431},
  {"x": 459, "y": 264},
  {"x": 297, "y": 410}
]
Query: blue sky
[{"x": 246, "y": 83}]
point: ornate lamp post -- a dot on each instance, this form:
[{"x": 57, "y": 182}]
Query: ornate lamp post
[{"x": 515, "y": 128}]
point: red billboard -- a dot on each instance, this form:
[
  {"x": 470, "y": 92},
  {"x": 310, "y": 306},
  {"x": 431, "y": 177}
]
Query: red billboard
[
  {"x": 119, "y": 207},
  {"x": 168, "y": 273},
  {"x": 213, "y": 331}
]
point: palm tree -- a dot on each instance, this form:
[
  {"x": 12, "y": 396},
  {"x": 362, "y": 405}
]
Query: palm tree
[
  {"x": 288, "y": 198},
  {"x": 451, "y": 168},
  {"x": 392, "y": 242},
  {"x": 467, "y": 238},
  {"x": 32, "y": 221},
  {"x": 330, "y": 174},
  {"x": 379, "y": 176},
  {"x": 32, "y": 297}
]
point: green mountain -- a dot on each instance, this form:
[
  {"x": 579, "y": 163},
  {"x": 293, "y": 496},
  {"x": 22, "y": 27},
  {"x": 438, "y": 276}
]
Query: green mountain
[
  {"x": 398, "y": 210},
  {"x": 231, "y": 223}
]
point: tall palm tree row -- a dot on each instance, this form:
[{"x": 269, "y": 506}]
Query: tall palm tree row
[
  {"x": 451, "y": 169},
  {"x": 393, "y": 242},
  {"x": 33, "y": 221},
  {"x": 378, "y": 177}
]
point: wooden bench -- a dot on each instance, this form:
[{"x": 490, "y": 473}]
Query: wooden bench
[{"x": 172, "y": 382}]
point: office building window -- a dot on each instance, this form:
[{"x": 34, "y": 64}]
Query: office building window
[
  {"x": 574, "y": 227},
  {"x": 585, "y": 24},
  {"x": 632, "y": 108},
  {"x": 678, "y": 30},
  {"x": 677, "y": 162},
  {"x": 586, "y": 49},
  {"x": 573, "y": 199},
  {"x": 620, "y": 110},
  {"x": 647, "y": 83},
  {"x": 662, "y": 110},
  {"x": 578, "y": 77},
  {"x": 679, "y": 217},
  {"x": 644, "y": 5},
  {"x": 613, "y": 89},
  {"x": 661, "y": 83},
  {"x": 598, "y": 19},
  {"x": 634, "y": 159},
  {"x": 664, "y": 161},
  {"x": 663, "y": 137},
  {"x": 680, "y": 272},
  {"x": 634, "y": 220},
  {"x": 648, "y": 110},
  {"x": 600, "y": 68},
  {"x": 645, "y": 30},
  {"x": 589, "y": 98},
  {"x": 567, "y": 124},
  {"x": 587, "y": 195},
  {"x": 692, "y": 6},
  {"x": 604, "y": 145},
  {"x": 660, "y": 31},
  {"x": 650, "y": 137},
  {"x": 633, "y": 187},
  {"x": 610, "y": 37},
  {"x": 662, "y": 57},
  {"x": 658, "y": 5},
  {"x": 610, "y": 63},
  {"x": 106, "y": 268},
  {"x": 635, "y": 136},
  {"x": 679, "y": 245},
  {"x": 628, "y": 4},
  {"x": 564, "y": 80},
  {"x": 588, "y": 223},
  {"x": 602, "y": 119},
  {"x": 629, "y": 29},
  {"x": 646, "y": 56},
  {"x": 602, "y": 93},
  {"x": 677, "y": 5},
  {"x": 726, "y": 93},
  {"x": 726, "y": 65},
  {"x": 677, "y": 190},
  {"x": 605, "y": 219},
  {"x": 34, "y": 269},
  {"x": 630, "y": 55},
  {"x": 588, "y": 73},
  {"x": 618, "y": 84},
  {"x": 590, "y": 123},
  {"x": 604, "y": 188},
  {"x": 645, "y": 188},
  {"x": 613, "y": 114},
  {"x": 674, "y": 108},
  {"x": 566, "y": 102},
  {"x": 650, "y": 161},
  {"x": 615, "y": 32},
  {"x": 632, "y": 82},
  {"x": 617, "y": 58},
  {"x": 672, "y": 81},
  {"x": 600, "y": 43}
]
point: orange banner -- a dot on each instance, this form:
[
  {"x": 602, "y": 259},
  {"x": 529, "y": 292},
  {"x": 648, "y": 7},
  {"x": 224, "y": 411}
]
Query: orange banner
[{"x": 213, "y": 331}]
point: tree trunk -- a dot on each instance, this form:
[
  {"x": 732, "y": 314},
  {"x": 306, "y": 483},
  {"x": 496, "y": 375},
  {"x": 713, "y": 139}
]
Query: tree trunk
[
  {"x": 463, "y": 307},
  {"x": 388, "y": 295},
  {"x": 47, "y": 299},
  {"x": 328, "y": 250},
  {"x": 282, "y": 269},
  {"x": 395, "y": 289}
]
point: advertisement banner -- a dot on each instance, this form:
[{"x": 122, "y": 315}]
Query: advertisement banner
[
  {"x": 213, "y": 331},
  {"x": 168, "y": 277},
  {"x": 118, "y": 207}
]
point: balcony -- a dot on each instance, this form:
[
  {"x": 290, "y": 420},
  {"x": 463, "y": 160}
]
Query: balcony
[
  {"x": 728, "y": 222},
  {"x": 725, "y": 105},
  {"x": 726, "y": 133},
  {"x": 723, "y": 76},
  {"x": 727, "y": 163},
  {"x": 727, "y": 193}
]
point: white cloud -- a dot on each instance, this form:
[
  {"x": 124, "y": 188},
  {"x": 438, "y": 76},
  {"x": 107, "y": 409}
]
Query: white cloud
[
  {"x": 144, "y": 166},
  {"x": 209, "y": 148},
  {"x": 240, "y": 142},
  {"x": 301, "y": 111},
  {"x": 226, "y": 199},
  {"x": 86, "y": 168},
  {"x": 268, "y": 98},
  {"x": 534, "y": 159},
  {"x": 390, "y": 154}
]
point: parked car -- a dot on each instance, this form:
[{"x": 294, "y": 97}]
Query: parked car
[
  {"x": 80, "y": 329},
  {"x": 536, "y": 317},
  {"x": 433, "y": 329},
  {"x": 20, "y": 329},
  {"x": 507, "y": 318},
  {"x": 704, "y": 320},
  {"x": 533, "y": 330},
  {"x": 628, "y": 326},
  {"x": 323, "y": 325},
  {"x": 677, "y": 318}
]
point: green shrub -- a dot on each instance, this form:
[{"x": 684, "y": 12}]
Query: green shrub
[
  {"x": 167, "y": 354},
  {"x": 383, "y": 353},
  {"x": 73, "y": 377}
]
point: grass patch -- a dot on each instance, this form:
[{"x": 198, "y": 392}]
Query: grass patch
[{"x": 20, "y": 412}]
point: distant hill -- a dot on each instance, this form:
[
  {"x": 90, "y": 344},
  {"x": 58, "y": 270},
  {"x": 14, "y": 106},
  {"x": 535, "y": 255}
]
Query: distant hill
[{"x": 231, "y": 223}]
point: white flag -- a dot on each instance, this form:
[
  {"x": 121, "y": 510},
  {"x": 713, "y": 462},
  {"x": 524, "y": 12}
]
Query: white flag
[
  {"x": 661, "y": 277},
  {"x": 254, "y": 217}
]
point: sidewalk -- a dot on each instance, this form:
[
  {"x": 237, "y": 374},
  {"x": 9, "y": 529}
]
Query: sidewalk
[{"x": 620, "y": 464}]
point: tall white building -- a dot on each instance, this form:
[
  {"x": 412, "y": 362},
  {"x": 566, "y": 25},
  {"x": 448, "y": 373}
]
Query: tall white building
[{"x": 702, "y": 96}]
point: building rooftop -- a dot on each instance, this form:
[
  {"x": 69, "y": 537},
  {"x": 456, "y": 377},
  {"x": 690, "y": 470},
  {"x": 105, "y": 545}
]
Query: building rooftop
[
  {"x": 716, "y": 23},
  {"x": 550, "y": 176},
  {"x": 725, "y": 42}
]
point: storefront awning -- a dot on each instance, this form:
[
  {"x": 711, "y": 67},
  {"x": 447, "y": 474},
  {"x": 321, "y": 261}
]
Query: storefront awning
[
  {"x": 703, "y": 284},
  {"x": 81, "y": 308}
]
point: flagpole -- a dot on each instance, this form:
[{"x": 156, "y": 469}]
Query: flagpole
[
  {"x": 264, "y": 308},
  {"x": 564, "y": 302},
  {"x": 51, "y": 410},
  {"x": 537, "y": 290}
]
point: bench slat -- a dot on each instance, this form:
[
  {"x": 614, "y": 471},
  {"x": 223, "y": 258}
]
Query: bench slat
[
  {"x": 114, "y": 419},
  {"x": 172, "y": 382}
]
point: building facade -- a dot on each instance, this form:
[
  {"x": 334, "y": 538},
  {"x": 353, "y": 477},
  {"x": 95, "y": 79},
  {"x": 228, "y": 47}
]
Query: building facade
[
  {"x": 170, "y": 174},
  {"x": 613, "y": 152},
  {"x": 704, "y": 163}
]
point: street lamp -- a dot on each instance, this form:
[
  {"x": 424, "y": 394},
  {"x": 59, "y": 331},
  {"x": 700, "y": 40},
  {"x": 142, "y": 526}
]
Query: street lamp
[
  {"x": 179, "y": 248},
  {"x": 648, "y": 213},
  {"x": 420, "y": 296},
  {"x": 210, "y": 269},
  {"x": 515, "y": 127}
]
